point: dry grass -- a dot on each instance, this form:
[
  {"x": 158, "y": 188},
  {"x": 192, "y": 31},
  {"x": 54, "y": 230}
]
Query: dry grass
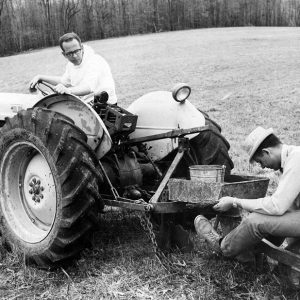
[
  {"x": 120, "y": 265},
  {"x": 243, "y": 77}
]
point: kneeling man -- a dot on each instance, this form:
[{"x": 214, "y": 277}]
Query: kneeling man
[{"x": 272, "y": 217}]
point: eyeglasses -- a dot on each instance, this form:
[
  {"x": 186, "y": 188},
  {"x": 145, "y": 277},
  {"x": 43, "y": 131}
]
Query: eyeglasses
[{"x": 72, "y": 53}]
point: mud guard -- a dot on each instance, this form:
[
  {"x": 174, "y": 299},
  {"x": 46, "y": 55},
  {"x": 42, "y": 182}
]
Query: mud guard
[{"x": 84, "y": 117}]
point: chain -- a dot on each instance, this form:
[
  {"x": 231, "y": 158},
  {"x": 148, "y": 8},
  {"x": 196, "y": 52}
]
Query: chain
[{"x": 170, "y": 266}]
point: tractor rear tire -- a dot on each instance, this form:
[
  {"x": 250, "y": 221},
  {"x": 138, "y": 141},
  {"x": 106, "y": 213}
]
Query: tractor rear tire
[
  {"x": 211, "y": 148},
  {"x": 49, "y": 186}
]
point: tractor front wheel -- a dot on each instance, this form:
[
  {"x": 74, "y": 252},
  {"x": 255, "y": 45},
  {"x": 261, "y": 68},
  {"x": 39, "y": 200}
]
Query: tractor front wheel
[{"x": 49, "y": 186}]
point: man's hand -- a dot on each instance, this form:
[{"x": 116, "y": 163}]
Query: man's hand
[
  {"x": 225, "y": 203},
  {"x": 34, "y": 81},
  {"x": 61, "y": 89}
]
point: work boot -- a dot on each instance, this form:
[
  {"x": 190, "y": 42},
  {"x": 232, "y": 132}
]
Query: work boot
[{"x": 206, "y": 231}]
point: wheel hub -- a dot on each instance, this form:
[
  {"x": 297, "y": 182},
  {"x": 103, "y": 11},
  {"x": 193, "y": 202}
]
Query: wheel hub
[
  {"x": 29, "y": 189},
  {"x": 39, "y": 192},
  {"x": 36, "y": 189}
]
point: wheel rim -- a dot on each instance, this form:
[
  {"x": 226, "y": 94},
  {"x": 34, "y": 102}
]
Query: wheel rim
[{"x": 28, "y": 192}]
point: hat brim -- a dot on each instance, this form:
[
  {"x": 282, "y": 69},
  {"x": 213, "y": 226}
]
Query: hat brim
[{"x": 258, "y": 143}]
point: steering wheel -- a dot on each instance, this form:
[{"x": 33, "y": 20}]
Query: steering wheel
[{"x": 44, "y": 87}]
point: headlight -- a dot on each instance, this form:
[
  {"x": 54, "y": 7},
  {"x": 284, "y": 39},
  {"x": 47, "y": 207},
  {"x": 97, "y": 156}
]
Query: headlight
[{"x": 181, "y": 92}]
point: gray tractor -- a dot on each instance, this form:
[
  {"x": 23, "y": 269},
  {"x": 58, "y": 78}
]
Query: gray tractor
[{"x": 63, "y": 160}]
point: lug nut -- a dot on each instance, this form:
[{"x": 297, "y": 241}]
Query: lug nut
[
  {"x": 38, "y": 182},
  {"x": 30, "y": 191}
]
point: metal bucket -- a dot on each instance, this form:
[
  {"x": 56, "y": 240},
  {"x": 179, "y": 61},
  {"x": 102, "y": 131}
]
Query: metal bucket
[{"x": 207, "y": 173}]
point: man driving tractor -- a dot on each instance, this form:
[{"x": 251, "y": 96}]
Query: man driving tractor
[{"x": 87, "y": 73}]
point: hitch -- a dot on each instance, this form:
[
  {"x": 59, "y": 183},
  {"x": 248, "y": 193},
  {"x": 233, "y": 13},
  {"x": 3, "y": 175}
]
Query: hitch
[
  {"x": 182, "y": 147},
  {"x": 170, "y": 134}
]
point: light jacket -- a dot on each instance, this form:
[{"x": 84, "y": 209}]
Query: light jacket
[{"x": 287, "y": 195}]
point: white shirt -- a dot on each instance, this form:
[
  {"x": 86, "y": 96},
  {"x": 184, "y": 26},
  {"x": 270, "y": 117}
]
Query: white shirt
[
  {"x": 94, "y": 72},
  {"x": 287, "y": 194}
]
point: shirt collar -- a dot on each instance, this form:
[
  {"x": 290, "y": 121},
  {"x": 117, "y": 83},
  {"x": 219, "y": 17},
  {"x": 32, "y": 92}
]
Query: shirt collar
[{"x": 284, "y": 155}]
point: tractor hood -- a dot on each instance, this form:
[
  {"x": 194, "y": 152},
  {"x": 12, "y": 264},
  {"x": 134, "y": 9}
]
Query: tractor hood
[
  {"x": 11, "y": 103},
  {"x": 158, "y": 112}
]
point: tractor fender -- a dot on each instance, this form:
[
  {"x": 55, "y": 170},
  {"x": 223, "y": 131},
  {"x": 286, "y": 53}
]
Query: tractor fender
[
  {"x": 157, "y": 113},
  {"x": 11, "y": 103},
  {"x": 84, "y": 117}
]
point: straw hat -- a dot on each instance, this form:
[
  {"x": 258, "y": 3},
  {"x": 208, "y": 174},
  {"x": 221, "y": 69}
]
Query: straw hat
[{"x": 254, "y": 139}]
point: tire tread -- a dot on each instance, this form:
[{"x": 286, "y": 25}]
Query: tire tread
[{"x": 78, "y": 177}]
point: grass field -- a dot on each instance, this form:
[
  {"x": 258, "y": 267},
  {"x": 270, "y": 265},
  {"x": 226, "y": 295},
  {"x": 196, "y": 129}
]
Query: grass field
[{"x": 243, "y": 77}]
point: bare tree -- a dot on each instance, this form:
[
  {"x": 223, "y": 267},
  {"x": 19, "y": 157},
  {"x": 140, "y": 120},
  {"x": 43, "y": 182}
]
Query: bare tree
[
  {"x": 46, "y": 8},
  {"x": 2, "y": 2},
  {"x": 88, "y": 18},
  {"x": 155, "y": 15},
  {"x": 100, "y": 10},
  {"x": 21, "y": 29},
  {"x": 125, "y": 13},
  {"x": 170, "y": 13},
  {"x": 69, "y": 8}
]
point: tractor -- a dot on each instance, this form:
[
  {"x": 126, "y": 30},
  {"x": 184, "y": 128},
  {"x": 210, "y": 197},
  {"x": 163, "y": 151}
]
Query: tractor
[{"x": 62, "y": 161}]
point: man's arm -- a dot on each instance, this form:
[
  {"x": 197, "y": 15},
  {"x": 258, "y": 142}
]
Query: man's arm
[
  {"x": 277, "y": 204},
  {"x": 79, "y": 90},
  {"x": 54, "y": 80},
  {"x": 226, "y": 203}
]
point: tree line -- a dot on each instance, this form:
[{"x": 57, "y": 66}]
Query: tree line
[{"x": 29, "y": 24}]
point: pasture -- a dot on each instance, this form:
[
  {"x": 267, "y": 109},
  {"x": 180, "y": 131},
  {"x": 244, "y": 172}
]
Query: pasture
[{"x": 242, "y": 77}]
